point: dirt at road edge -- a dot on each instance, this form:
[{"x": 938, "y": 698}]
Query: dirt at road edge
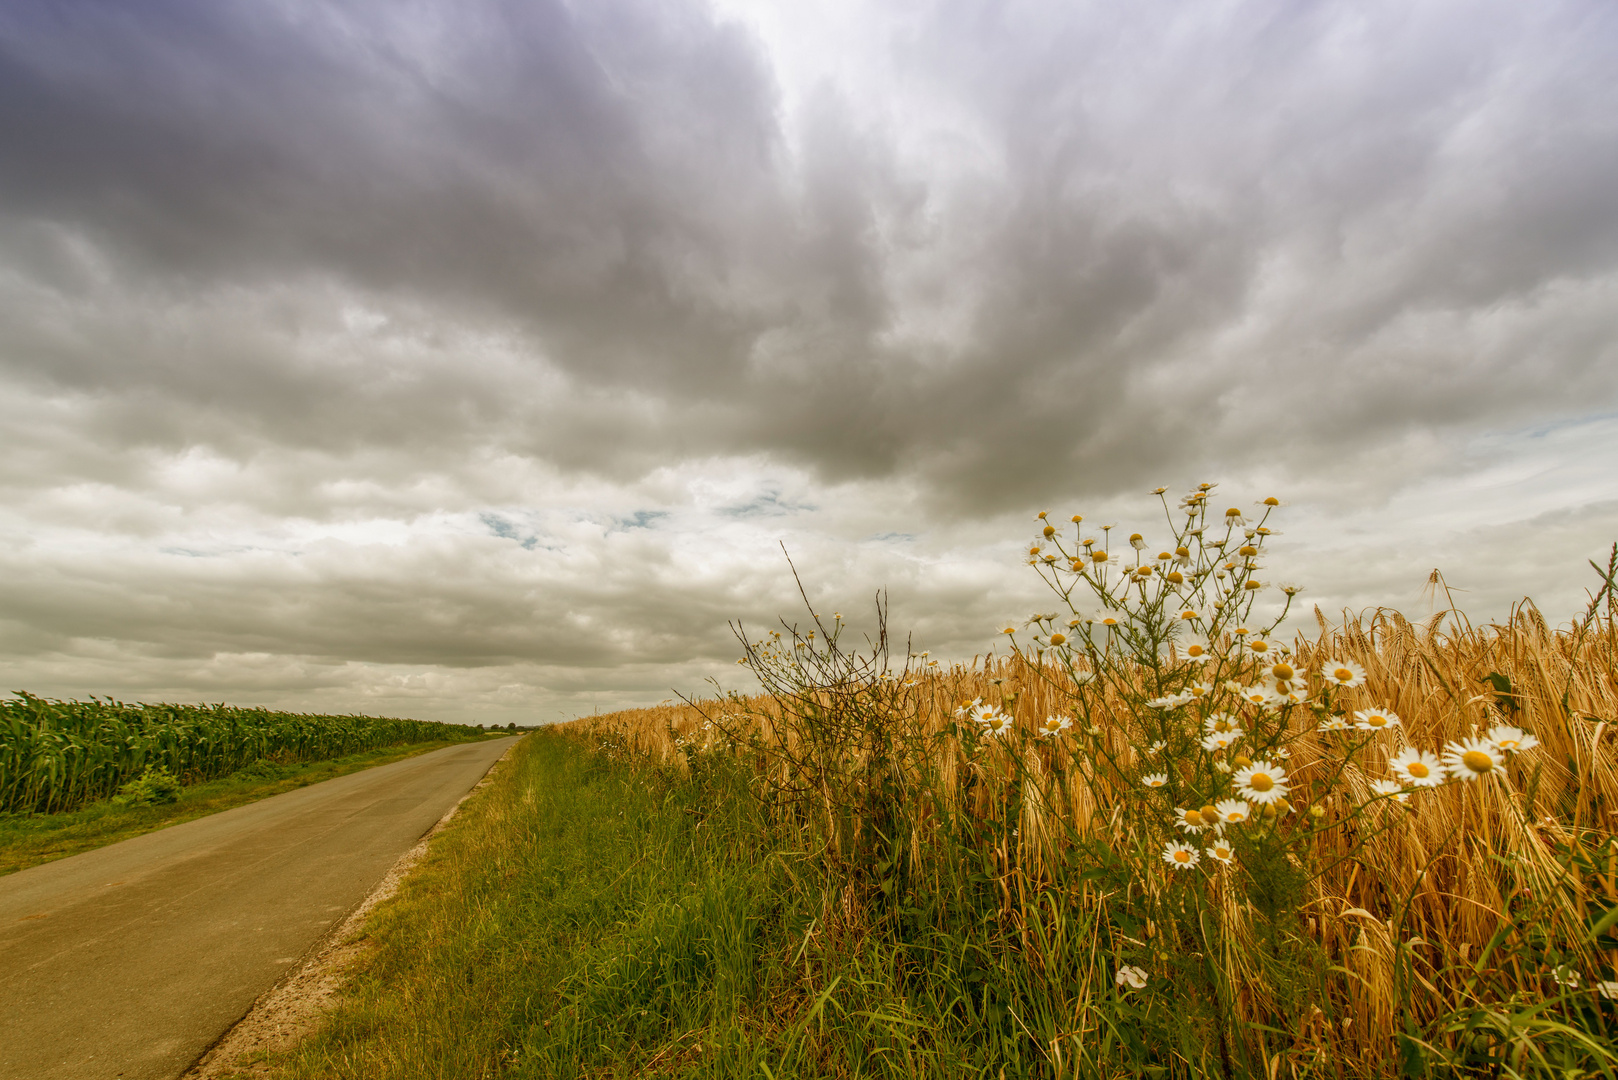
[{"x": 290, "y": 1010}]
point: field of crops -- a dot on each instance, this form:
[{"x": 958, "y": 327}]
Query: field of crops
[
  {"x": 60, "y": 755},
  {"x": 1078, "y": 856}
]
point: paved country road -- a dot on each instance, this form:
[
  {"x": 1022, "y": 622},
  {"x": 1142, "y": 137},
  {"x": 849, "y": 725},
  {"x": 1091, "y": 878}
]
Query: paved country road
[{"x": 131, "y": 960}]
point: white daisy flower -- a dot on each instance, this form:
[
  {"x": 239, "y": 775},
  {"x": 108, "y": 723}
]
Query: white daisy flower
[
  {"x": 1282, "y": 673},
  {"x": 1196, "y": 690},
  {"x": 1190, "y": 821},
  {"x": 1172, "y": 701},
  {"x": 1260, "y": 647},
  {"x": 1155, "y": 780},
  {"x": 1259, "y": 696},
  {"x": 1343, "y": 673},
  {"x": 1157, "y": 747},
  {"x": 1232, "y": 811},
  {"x": 1334, "y": 723},
  {"x": 1222, "y": 766},
  {"x": 1472, "y": 758},
  {"x": 1221, "y": 722},
  {"x": 1180, "y": 856},
  {"x": 1565, "y": 975},
  {"x": 1186, "y": 614},
  {"x": 1292, "y": 694},
  {"x": 1608, "y": 989},
  {"x": 1221, "y": 851},
  {"x": 998, "y": 724},
  {"x": 1242, "y": 630},
  {"x": 1416, "y": 768},
  {"x": 1132, "y": 977},
  {"x": 1221, "y": 740},
  {"x": 1108, "y": 619},
  {"x": 1193, "y": 649},
  {"x": 967, "y": 707},
  {"x": 981, "y": 712},
  {"x": 1261, "y": 782},
  {"x": 1389, "y": 787},
  {"x": 1511, "y": 739},
  {"x": 1054, "y": 725},
  {"x": 1376, "y": 719}
]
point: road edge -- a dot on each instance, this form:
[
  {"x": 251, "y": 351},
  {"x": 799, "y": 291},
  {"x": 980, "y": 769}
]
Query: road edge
[{"x": 290, "y": 1010}]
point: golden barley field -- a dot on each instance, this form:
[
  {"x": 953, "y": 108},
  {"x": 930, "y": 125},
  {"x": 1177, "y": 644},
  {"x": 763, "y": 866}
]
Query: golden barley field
[{"x": 1460, "y": 916}]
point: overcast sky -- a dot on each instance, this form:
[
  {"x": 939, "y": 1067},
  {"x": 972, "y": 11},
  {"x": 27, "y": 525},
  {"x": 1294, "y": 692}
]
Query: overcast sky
[{"x": 472, "y": 360}]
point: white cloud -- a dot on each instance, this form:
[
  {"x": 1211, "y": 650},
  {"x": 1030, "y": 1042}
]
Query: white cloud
[{"x": 478, "y": 359}]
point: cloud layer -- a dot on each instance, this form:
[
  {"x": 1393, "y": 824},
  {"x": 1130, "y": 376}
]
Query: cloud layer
[{"x": 476, "y": 358}]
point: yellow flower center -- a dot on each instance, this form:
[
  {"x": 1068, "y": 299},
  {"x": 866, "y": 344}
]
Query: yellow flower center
[
  {"x": 1182, "y": 856},
  {"x": 1235, "y": 815},
  {"x": 1477, "y": 761},
  {"x": 1176, "y": 577},
  {"x": 1376, "y": 720},
  {"x": 1233, "y": 512},
  {"x": 1418, "y": 770},
  {"x": 1343, "y": 674},
  {"x": 1272, "y": 501},
  {"x": 1182, "y": 551},
  {"x": 1192, "y": 817},
  {"x": 1099, "y": 556},
  {"x": 1259, "y": 645},
  {"x": 1049, "y": 530},
  {"x": 1210, "y": 815},
  {"x": 1057, "y": 639},
  {"x": 1283, "y": 671},
  {"x": 1247, "y": 550},
  {"x": 1261, "y": 782}
]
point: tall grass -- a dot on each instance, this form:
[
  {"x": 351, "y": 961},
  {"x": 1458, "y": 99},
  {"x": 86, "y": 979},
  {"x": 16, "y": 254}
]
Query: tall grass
[
  {"x": 1002, "y": 879},
  {"x": 59, "y": 755}
]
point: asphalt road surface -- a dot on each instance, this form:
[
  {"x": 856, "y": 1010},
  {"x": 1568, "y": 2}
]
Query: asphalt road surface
[{"x": 131, "y": 960}]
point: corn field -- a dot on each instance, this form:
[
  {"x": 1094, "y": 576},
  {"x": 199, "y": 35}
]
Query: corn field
[{"x": 59, "y": 755}]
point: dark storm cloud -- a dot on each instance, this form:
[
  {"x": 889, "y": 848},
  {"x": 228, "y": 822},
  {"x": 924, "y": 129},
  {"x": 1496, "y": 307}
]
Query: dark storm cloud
[
  {"x": 671, "y": 264},
  {"x": 429, "y": 348}
]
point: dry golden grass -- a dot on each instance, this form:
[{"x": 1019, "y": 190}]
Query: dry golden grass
[{"x": 1456, "y": 865}]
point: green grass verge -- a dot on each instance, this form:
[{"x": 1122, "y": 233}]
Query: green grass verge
[
  {"x": 580, "y": 918},
  {"x": 585, "y": 916},
  {"x": 30, "y": 839}
]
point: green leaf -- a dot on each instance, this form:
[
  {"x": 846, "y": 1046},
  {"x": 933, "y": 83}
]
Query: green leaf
[
  {"x": 1605, "y": 923},
  {"x": 1412, "y": 1062}
]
